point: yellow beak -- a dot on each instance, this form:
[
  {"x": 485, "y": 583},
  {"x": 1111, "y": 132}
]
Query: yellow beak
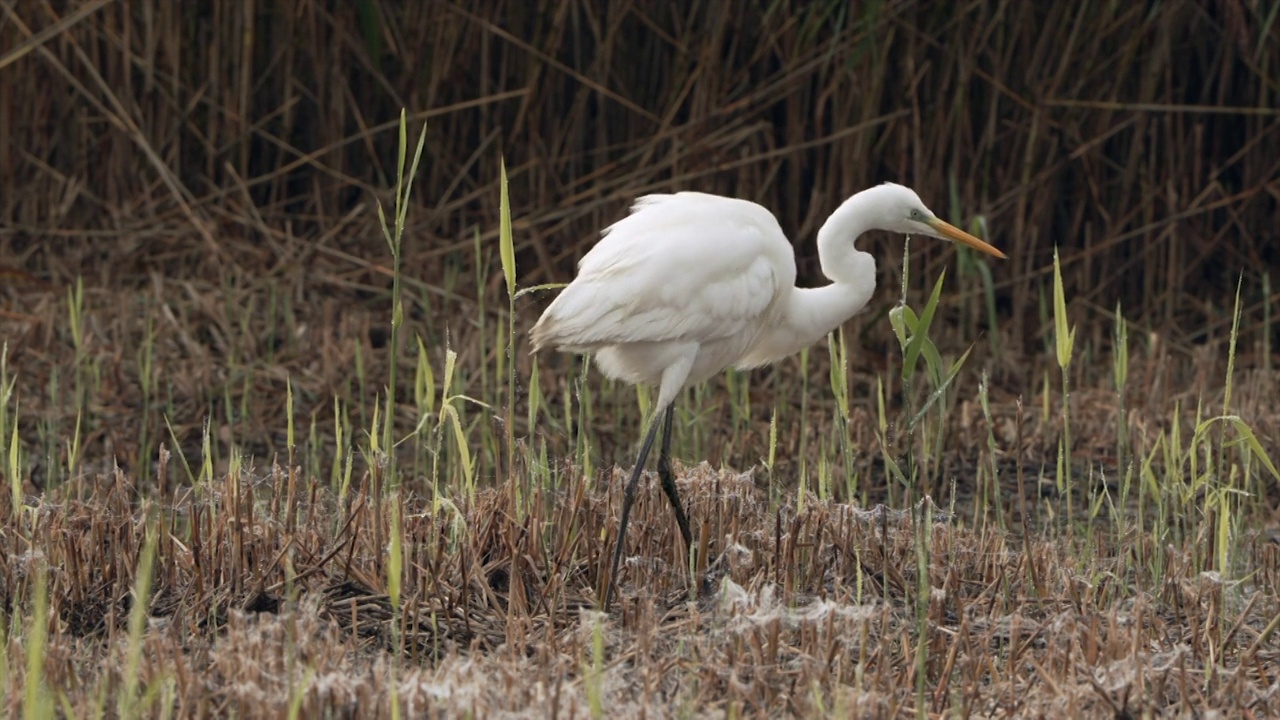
[{"x": 955, "y": 234}]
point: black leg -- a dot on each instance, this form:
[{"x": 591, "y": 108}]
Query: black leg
[
  {"x": 669, "y": 480},
  {"x": 628, "y": 495}
]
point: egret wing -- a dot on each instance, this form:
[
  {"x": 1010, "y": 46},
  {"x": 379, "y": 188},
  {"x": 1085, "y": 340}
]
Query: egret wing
[{"x": 680, "y": 267}]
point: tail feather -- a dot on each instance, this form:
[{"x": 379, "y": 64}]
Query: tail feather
[{"x": 538, "y": 335}]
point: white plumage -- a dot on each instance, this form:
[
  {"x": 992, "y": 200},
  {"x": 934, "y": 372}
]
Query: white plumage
[
  {"x": 681, "y": 286},
  {"x": 690, "y": 284}
]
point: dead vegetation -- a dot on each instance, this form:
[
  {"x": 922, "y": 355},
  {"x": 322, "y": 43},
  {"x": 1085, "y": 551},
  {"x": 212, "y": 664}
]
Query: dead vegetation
[{"x": 811, "y": 611}]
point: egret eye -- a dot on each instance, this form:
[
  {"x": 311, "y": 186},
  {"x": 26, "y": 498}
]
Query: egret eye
[{"x": 916, "y": 214}]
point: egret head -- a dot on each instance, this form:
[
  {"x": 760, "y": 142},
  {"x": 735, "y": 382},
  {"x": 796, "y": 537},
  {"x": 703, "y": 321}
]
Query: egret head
[{"x": 900, "y": 209}]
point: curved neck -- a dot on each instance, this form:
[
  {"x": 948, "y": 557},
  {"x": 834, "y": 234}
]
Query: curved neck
[
  {"x": 808, "y": 314},
  {"x": 841, "y": 262},
  {"x": 851, "y": 271}
]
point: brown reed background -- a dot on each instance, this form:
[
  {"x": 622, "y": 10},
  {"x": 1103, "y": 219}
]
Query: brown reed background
[{"x": 1142, "y": 138}]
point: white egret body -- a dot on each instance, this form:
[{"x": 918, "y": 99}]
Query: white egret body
[{"x": 690, "y": 284}]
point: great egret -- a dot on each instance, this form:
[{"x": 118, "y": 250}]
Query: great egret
[{"x": 690, "y": 284}]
